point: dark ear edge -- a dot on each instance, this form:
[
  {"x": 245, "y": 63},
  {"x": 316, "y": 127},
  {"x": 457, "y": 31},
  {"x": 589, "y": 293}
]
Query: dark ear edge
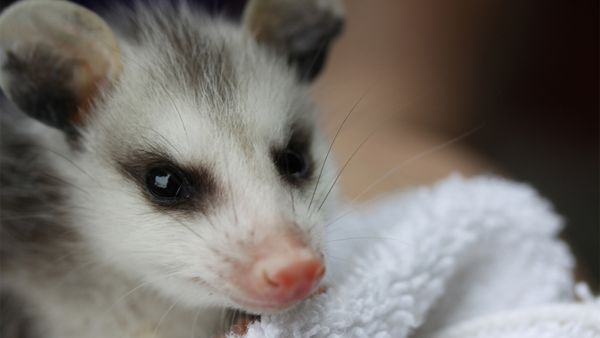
[
  {"x": 39, "y": 84},
  {"x": 55, "y": 59},
  {"x": 309, "y": 63},
  {"x": 302, "y": 30}
]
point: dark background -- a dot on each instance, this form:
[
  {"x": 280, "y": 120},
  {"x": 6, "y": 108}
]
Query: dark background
[{"x": 539, "y": 85}]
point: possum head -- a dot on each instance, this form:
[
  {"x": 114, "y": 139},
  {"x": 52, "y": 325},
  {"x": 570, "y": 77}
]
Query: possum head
[{"x": 195, "y": 157}]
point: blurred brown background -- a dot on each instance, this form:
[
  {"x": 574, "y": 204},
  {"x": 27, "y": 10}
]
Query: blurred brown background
[{"x": 515, "y": 81}]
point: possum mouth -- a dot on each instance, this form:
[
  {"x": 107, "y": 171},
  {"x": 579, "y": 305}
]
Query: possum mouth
[
  {"x": 242, "y": 302},
  {"x": 240, "y": 322},
  {"x": 261, "y": 307}
]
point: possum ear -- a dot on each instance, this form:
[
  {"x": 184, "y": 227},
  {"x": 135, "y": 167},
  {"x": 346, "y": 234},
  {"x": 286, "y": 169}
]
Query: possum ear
[
  {"x": 55, "y": 59},
  {"x": 300, "y": 29}
]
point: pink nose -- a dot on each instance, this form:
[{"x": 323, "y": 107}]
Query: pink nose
[
  {"x": 284, "y": 272},
  {"x": 293, "y": 281}
]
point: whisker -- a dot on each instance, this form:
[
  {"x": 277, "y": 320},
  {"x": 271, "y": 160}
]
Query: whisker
[
  {"x": 194, "y": 323},
  {"x": 416, "y": 158},
  {"x": 381, "y": 124},
  {"x": 136, "y": 288},
  {"x": 293, "y": 202},
  {"x": 188, "y": 227},
  {"x": 162, "y": 319},
  {"x": 364, "y": 238},
  {"x": 162, "y": 137},
  {"x": 78, "y": 266},
  {"x": 170, "y": 97},
  {"x": 68, "y": 160},
  {"x": 400, "y": 166},
  {"x": 337, "y": 133},
  {"x": 322, "y": 45},
  {"x": 230, "y": 318},
  {"x": 231, "y": 195},
  {"x": 342, "y": 259},
  {"x": 223, "y": 318},
  {"x": 209, "y": 219},
  {"x": 62, "y": 181},
  {"x": 122, "y": 298},
  {"x": 234, "y": 319},
  {"x": 337, "y": 177},
  {"x": 150, "y": 213}
]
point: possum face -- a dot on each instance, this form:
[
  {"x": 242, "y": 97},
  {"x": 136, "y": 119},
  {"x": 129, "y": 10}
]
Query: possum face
[{"x": 195, "y": 152}]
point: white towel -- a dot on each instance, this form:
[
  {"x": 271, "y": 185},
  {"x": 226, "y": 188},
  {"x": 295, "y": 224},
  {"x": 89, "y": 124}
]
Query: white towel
[
  {"x": 465, "y": 258},
  {"x": 556, "y": 321}
]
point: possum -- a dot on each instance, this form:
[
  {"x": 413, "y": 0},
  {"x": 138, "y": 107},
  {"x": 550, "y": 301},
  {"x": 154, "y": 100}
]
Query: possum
[{"x": 160, "y": 167}]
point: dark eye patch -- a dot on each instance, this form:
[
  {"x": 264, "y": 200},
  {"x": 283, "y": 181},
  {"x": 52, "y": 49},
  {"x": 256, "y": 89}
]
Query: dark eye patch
[
  {"x": 168, "y": 186},
  {"x": 293, "y": 161}
]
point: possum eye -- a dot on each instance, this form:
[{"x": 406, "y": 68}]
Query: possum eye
[
  {"x": 167, "y": 184},
  {"x": 292, "y": 164}
]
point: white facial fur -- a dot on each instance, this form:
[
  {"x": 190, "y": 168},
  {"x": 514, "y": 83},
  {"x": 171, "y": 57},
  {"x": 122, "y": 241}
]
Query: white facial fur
[{"x": 228, "y": 124}]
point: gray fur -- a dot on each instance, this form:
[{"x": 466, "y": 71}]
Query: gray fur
[
  {"x": 15, "y": 321},
  {"x": 32, "y": 223},
  {"x": 188, "y": 47}
]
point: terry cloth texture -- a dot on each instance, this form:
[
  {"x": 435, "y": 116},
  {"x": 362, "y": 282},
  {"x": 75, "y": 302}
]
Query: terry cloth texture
[{"x": 466, "y": 258}]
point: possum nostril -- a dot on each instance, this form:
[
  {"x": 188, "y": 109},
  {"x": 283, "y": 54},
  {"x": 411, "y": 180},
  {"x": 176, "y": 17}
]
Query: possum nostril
[
  {"x": 292, "y": 281},
  {"x": 269, "y": 280}
]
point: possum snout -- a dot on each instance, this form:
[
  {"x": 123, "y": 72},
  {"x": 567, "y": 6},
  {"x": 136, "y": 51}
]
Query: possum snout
[{"x": 284, "y": 272}]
